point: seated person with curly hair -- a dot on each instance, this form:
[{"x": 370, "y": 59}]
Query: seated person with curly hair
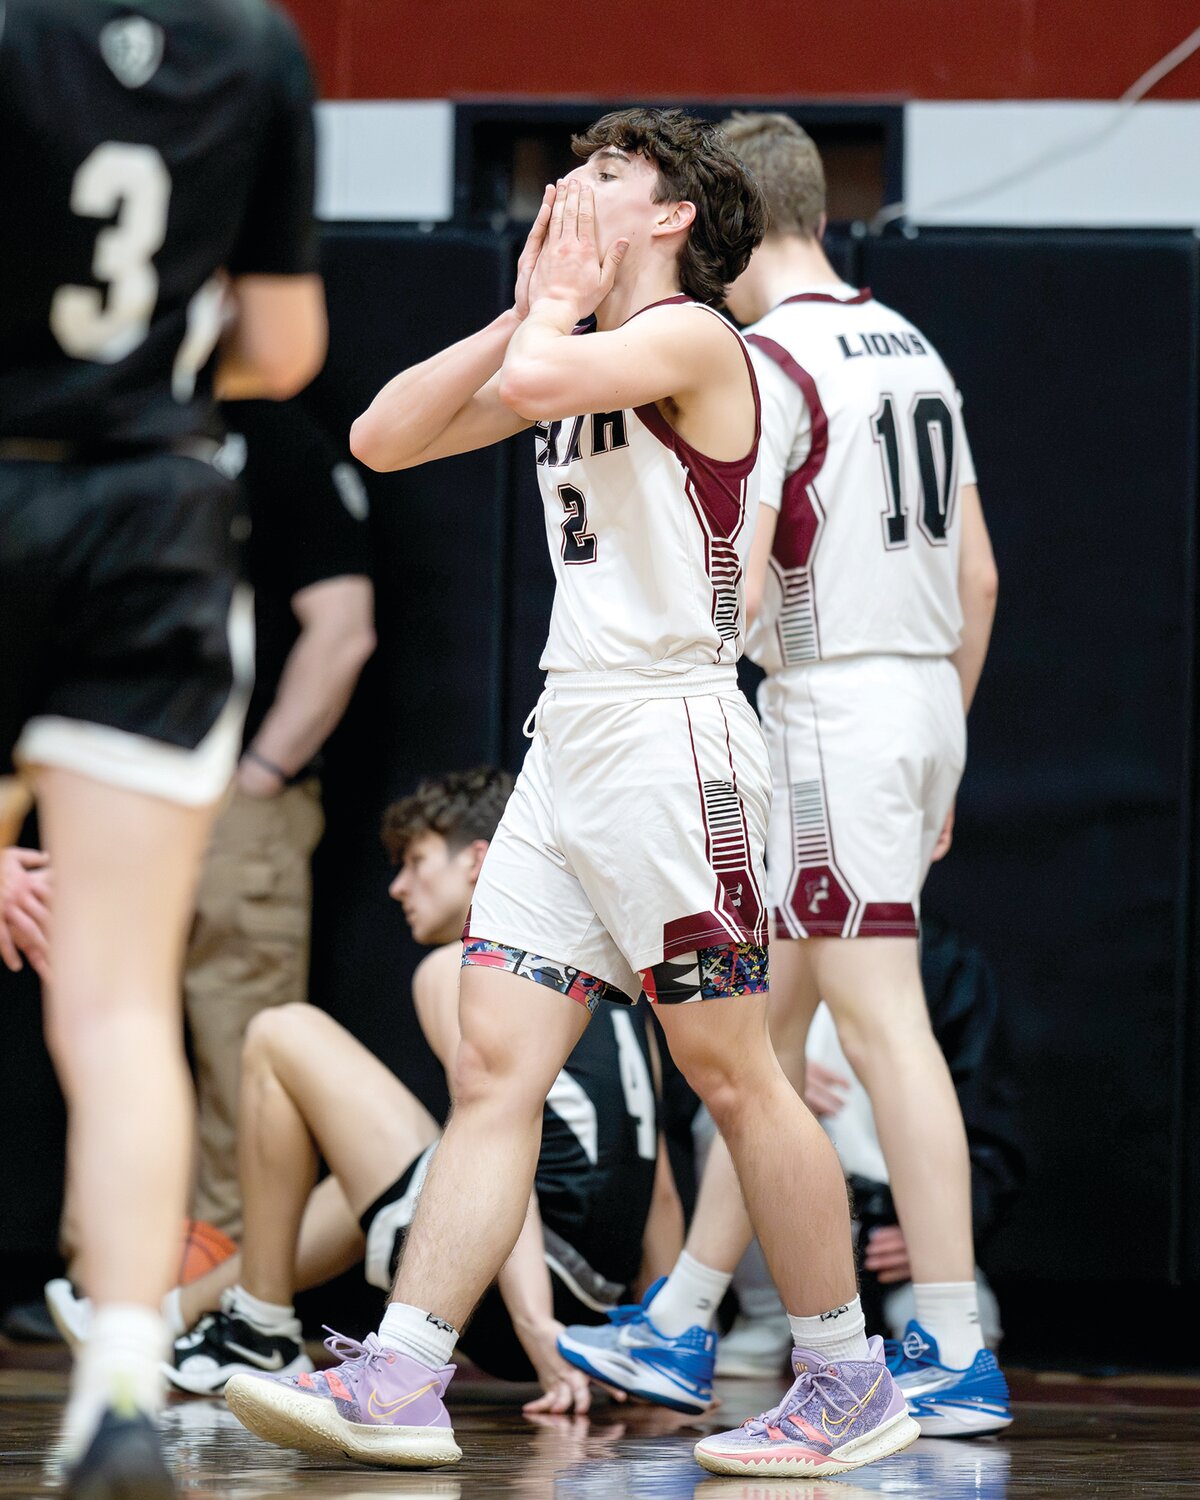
[{"x": 310, "y": 1092}]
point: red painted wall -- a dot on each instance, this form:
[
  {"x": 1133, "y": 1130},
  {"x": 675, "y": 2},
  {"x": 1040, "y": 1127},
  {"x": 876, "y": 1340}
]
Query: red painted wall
[{"x": 882, "y": 49}]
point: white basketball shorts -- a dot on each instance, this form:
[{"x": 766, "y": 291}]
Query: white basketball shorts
[
  {"x": 632, "y": 842},
  {"x": 866, "y": 757}
]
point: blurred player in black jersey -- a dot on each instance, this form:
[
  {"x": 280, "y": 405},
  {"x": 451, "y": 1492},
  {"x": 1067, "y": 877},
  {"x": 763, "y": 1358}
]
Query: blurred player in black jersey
[{"x": 157, "y": 183}]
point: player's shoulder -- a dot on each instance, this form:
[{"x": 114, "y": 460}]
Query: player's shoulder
[{"x": 683, "y": 317}]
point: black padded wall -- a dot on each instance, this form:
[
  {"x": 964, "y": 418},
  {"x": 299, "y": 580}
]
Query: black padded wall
[
  {"x": 1076, "y": 354},
  {"x": 430, "y": 700}
]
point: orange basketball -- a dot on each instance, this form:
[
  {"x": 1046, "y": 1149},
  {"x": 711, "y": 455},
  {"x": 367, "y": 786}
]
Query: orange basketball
[{"x": 204, "y": 1246}]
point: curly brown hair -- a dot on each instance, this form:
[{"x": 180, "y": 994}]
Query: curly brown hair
[
  {"x": 788, "y": 167},
  {"x": 697, "y": 165},
  {"x": 462, "y": 806}
]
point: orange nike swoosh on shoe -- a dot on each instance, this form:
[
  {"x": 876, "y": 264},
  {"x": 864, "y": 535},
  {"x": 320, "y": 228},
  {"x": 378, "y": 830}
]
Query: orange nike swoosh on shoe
[
  {"x": 379, "y": 1410},
  {"x": 853, "y": 1412}
]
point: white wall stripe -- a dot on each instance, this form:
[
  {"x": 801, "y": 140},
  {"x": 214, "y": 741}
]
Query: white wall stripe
[
  {"x": 1057, "y": 164},
  {"x": 386, "y": 159}
]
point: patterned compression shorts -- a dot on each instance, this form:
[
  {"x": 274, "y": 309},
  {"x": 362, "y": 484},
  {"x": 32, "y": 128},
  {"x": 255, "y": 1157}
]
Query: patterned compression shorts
[{"x": 706, "y": 974}]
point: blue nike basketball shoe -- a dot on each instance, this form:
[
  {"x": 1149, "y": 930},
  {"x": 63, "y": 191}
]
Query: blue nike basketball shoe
[
  {"x": 948, "y": 1402},
  {"x": 631, "y": 1354}
]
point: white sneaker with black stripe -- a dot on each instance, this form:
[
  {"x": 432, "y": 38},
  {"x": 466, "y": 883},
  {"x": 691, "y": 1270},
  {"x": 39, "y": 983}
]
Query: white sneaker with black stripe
[{"x": 223, "y": 1345}]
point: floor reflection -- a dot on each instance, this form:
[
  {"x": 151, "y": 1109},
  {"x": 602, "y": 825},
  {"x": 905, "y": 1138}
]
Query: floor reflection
[{"x": 1058, "y": 1448}]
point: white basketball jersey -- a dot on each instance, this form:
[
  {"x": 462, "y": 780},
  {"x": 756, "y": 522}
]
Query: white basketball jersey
[
  {"x": 649, "y": 541},
  {"x": 863, "y": 454}
]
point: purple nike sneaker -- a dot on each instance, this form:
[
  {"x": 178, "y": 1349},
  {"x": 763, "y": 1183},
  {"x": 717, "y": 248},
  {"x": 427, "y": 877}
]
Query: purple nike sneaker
[
  {"x": 836, "y": 1417},
  {"x": 378, "y": 1406}
]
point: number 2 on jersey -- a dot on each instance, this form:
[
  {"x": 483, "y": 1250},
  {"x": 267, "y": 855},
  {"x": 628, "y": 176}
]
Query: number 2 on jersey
[
  {"x": 933, "y": 434},
  {"x": 578, "y": 545}
]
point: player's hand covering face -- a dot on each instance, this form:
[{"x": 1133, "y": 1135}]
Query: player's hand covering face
[
  {"x": 529, "y": 256},
  {"x": 569, "y": 270}
]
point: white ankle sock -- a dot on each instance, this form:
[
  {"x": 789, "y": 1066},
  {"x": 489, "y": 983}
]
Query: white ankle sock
[
  {"x": 949, "y": 1310},
  {"x": 840, "y": 1333},
  {"x": 267, "y": 1317},
  {"x": 418, "y": 1334},
  {"x": 690, "y": 1296},
  {"x": 172, "y": 1312},
  {"x": 120, "y": 1366}
]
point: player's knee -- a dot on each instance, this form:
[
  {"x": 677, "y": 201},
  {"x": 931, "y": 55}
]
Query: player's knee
[
  {"x": 720, "y": 1079},
  {"x": 272, "y": 1031},
  {"x": 870, "y": 1034},
  {"x": 486, "y": 1075}
]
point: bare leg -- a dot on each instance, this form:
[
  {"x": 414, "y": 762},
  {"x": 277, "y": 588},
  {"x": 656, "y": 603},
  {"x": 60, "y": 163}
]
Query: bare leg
[
  {"x": 299, "y": 1068},
  {"x": 125, "y": 874},
  {"x": 720, "y": 1231},
  {"x": 788, "y": 1170},
  {"x": 330, "y": 1243},
  {"x": 873, "y": 989},
  {"x": 516, "y": 1035}
]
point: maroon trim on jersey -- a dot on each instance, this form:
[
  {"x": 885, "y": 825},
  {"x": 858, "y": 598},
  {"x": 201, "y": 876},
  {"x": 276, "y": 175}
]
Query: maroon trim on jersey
[
  {"x": 863, "y": 295},
  {"x": 820, "y": 901},
  {"x": 888, "y": 919},
  {"x": 737, "y": 892},
  {"x": 799, "y": 519},
  {"x": 760, "y": 932},
  {"x": 703, "y": 929},
  {"x": 662, "y": 302},
  {"x": 720, "y": 498}
]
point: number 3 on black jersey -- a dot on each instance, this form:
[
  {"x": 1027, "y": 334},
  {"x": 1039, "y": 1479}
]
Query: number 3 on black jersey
[
  {"x": 933, "y": 434},
  {"x": 578, "y": 545},
  {"x": 132, "y": 184}
]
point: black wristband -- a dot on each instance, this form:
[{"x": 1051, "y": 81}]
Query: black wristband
[{"x": 267, "y": 765}]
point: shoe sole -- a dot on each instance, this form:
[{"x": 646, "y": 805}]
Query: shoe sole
[
  {"x": 213, "y": 1382},
  {"x": 577, "y": 1355},
  {"x": 964, "y": 1424},
  {"x": 291, "y": 1420},
  {"x": 892, "y": 1437}
]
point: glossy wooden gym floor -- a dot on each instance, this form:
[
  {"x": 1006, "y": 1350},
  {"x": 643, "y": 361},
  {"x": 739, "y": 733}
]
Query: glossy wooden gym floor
[{"x": 1072, "y": 1437}]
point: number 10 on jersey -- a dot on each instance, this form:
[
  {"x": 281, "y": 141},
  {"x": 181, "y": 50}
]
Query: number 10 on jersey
[{"x": 933, "y": 436}]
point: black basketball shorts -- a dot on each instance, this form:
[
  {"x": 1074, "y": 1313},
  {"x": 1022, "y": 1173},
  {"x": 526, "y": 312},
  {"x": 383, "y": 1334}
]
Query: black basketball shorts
[{"x": 117, "y": 610}]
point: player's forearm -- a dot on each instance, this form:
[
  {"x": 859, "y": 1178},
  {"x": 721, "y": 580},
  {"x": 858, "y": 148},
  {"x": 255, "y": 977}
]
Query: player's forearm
[
  {"x": 276, "y": 341},
  {"x": 416, "y": 406},
  {"x": 317, "y": 682},
  {"x": 530, "y": 370},
  {"x": 524, "y": 1280},
  {"x": 977, "y": 592},
  {"x": 663, "y": 1236}
]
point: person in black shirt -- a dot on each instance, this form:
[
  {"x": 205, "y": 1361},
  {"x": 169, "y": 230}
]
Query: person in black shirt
[
  {"x": 307, "y": 559},
  {"x": 157, "y": 184}
]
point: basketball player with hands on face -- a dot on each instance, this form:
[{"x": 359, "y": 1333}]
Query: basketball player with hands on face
[
  {"x": 157, "y": 178},
  {"x": 630, "y": 856},
  {"x": 872, "y": 587}
]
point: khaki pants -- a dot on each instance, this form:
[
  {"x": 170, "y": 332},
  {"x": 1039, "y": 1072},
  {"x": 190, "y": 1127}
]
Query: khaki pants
[{"x": 248, "y": 950}]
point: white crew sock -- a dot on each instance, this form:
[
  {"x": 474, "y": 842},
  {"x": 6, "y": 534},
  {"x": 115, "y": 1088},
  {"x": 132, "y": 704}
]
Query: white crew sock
[
  {"x": 689, "y": 1297},
  {"x": 840, "y": 1333},
  {"x": 418, "y": 1334},
  {"x": 120, "y": 1366},
  {"x": 267, "y": 1317},
  {"x": 949, "y": 1310}
]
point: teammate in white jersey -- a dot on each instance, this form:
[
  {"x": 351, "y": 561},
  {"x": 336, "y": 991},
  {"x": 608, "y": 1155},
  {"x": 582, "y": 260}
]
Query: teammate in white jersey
[
  {"x": 630, "y": 854},
  {"x": 873, "y": 588}
]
